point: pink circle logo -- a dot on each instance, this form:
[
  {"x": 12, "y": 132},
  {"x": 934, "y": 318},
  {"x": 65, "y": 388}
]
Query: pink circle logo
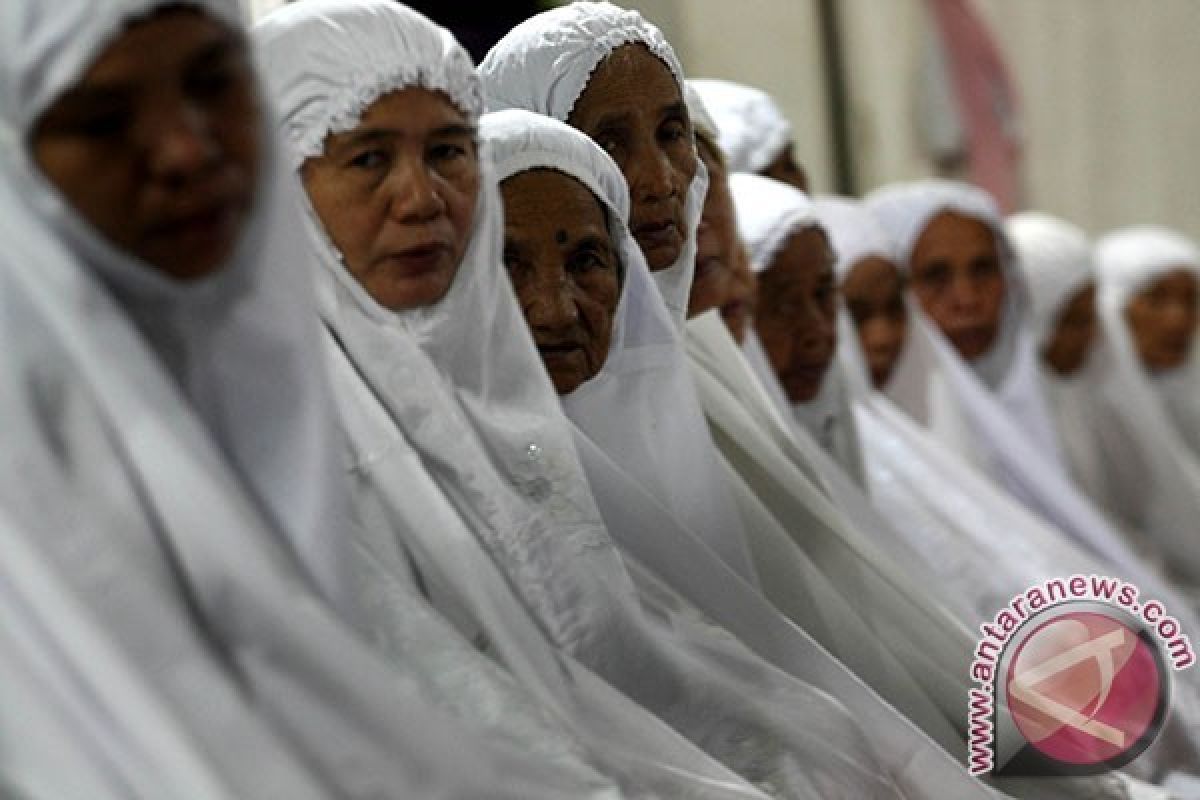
[{"x": 1086, "y": 689}]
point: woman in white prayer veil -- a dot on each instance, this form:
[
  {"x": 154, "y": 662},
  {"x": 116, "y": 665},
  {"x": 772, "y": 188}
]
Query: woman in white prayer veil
[
  {"x": 1163, "y": 265},
  {"x": 770, "y": 216},
  {"x": 1055, "y": 258},
  {"x": 165, "y": 425},
  {"x": 990, "y": 410},
  {"x": 752, "y": 131},
  {"x": 552, "y": 64},
  {"x": 1150, "y": 473},
  {"x": 451, "y": 394}
]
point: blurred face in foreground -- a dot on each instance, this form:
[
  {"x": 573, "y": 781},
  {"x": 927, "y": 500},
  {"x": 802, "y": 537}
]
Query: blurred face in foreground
[{"x": 157, "y": 145}]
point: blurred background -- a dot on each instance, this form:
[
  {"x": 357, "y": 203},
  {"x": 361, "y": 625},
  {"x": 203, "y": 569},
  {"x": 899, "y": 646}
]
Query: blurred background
[{"x": 1088, "y": 109}]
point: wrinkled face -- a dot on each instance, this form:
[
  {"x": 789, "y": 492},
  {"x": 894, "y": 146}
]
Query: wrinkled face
[
  {"x": 633, "y": 108},
  {"x": 874, "y": 296},
  {"x": 157, "y": 145},
  {"x": 797, "y": 308},
  {"x": 1073, "y": 334},
  {"x": 785, "y": 169},
  {"x": 397, "y": 195},
  {"x": 1162, "y": 320},
  {"x": 740, "y": 303},
  {"x": 716, "y": 238},
  {"x": 958, "y": 279},
  {"x": 565, "y": 270}
]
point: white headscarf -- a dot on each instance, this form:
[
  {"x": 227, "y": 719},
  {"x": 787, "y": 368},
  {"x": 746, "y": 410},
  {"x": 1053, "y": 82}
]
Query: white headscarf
[
  {"x": 138, "y": 418},
  {"x": 855, "y": 237},
  {"x": 1151, "y": 472},
  {"x": 752, "y": 129},
  {"x": 544, "y": 65},
  {"x": 434, "y": 373},
  {"x": 702, "y": 119},
  {"x": 769, "y": 213},
  {"x": 1055, "y": 258},
  {"x": 659, "y": 437},
  {"x": 990, "y": 411}
]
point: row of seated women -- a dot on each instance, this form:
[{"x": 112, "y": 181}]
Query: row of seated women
[{"x": 362, "y": 444}]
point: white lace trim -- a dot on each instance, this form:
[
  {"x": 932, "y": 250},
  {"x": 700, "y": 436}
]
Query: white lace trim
[
  {"x": 307, "y": 131},
  {"x": 631, "y": 32}
]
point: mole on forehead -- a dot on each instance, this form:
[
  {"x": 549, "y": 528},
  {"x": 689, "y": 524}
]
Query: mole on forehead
[{"x": 560, "y": 237}]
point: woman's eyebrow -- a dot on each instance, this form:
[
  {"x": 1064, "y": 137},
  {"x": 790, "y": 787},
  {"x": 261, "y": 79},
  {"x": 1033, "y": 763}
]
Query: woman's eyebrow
[
  {"x": 595, "y": 241},
  {"x": 674, "y": 110},
  {"x": 100, "y": 95},
  {"x": 455, "y": 129}
]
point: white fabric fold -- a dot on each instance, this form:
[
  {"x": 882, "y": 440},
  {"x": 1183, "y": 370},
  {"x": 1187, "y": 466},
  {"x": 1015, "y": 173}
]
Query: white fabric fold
[{"x": 751, "y": 128}]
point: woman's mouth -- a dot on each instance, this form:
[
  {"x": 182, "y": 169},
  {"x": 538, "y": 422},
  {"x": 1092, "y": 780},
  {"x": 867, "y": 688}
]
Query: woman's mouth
[
  {"x": 418, "y": 260},
  {"x": 660, "y": 240}
]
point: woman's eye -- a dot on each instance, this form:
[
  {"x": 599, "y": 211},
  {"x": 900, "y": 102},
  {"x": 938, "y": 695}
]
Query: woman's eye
[
  {"x": 212, "y": 83},
  {"x": 935, "y": 276},
  {"x": 673, "y": 131},
  {"x": 985, "y": 269},
  {"x": 369, "y": 160},
  {"x": 102, "y": 126},
  {"x": 447, "y": 152},
  {"x": 584, "y": 262}
]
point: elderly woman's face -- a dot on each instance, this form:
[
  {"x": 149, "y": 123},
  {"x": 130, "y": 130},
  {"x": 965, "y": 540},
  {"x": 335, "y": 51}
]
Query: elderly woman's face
[
  {"x": 397, "y": 195},
  {"x": 874, "y": 295},
  {"x": 157, "y": 145},
  {"x": 565, "y": 270},
  {"x": 633, "y": 108},
  {"x": 958, "y": 279},
  {"x": 1162, "y": 320},
  {"x": 716, "y": 238},
  {"x": 1073, "y": 334},
  {"x": 797, "y": 311}
]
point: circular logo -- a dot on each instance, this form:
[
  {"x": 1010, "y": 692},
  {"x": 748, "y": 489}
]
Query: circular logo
[{"x": 1086, "y": 688}]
